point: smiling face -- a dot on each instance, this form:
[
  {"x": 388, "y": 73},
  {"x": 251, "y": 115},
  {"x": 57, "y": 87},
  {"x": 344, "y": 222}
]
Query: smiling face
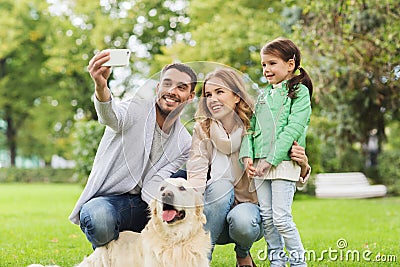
[
  {"x": 221, "y": 101},
  {"x": 173, "y": 90},
  {"x": 275, "y": 69}
]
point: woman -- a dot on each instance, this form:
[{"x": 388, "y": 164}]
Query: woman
[{"x": 232, "y": 212}]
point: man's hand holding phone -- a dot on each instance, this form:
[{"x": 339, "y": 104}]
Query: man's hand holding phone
[
  {"x": 100, "y": 75},
  {"x": 99, "y": 69}
]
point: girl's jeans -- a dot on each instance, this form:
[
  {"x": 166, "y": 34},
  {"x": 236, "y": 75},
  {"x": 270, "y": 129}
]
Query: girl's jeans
[
  {"x": 275, "y": 198},
  {"x": 102, "y": 218},
  {"x": 240, "y": 225}
]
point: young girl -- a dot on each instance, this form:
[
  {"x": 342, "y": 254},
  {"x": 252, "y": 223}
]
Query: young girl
[{"x": 281, "y": 117}]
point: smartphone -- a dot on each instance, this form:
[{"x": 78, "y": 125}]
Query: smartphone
[{"x": 118, "y": 58}]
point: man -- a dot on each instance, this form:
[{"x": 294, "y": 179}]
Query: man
[{"x": 144, "y": 143}]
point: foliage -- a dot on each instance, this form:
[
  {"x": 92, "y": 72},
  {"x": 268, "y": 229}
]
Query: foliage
[
  {"x": 228, "y": 32},
  {"x": 366, "y": 224},
  {"x": 389, "y": 160},
  {"x": 315, "y": 136},
  {"x": 388, "y": 169},
  {"x": 45, "y": 49},
  {"x": 393, "y": 138},
  {"x": 87, "y": 135},
  {"x": 21, "y": 79},
  {"x": 43, "y": 175},
  {"x": 352, "y": 49}
]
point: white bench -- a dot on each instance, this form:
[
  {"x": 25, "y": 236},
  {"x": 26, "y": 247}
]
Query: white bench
[{"x": 346, "y": 185}]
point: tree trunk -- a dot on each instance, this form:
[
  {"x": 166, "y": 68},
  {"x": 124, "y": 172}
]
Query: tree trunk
[{"x": 11, "y": 137}]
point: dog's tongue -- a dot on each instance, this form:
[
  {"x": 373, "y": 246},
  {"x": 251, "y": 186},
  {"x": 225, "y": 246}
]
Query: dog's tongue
[{"x": 168, "y": 215}]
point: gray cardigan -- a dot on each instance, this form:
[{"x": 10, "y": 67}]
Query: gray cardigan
[{"x": 124, "y": 150}]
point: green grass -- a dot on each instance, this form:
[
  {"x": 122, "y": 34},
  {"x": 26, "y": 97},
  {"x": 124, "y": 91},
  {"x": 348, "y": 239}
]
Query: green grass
[
  {"x": 365, "y": 224},
  {"x": 35, "y": 229}
]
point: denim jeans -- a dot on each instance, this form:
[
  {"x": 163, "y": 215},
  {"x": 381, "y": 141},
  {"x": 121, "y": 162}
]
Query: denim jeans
[
  {"x": 275, "y": 198},
  {"x": 240, "y": 225},
  {"x": 102, "y": 218}
]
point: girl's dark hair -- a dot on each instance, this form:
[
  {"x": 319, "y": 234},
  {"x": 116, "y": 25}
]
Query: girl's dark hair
[{"x": 286, "y": 50}]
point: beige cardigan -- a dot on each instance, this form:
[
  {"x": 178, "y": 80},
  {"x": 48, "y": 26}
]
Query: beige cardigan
[{"x": 201, "y": 158}]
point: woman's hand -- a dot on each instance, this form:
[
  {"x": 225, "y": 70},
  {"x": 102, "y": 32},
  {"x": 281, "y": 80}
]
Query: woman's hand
[
  {"x": 248, "y": 166},
  {"x": 298, "y": 154}
]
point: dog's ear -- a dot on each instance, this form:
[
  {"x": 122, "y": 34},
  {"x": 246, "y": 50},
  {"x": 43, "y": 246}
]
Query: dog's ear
[
  {"x": 199, "y": 207},
  {"x": 155, "y": 220},
  {"x": 153, "y": 207},
  {"x": 202, "y": 216}
]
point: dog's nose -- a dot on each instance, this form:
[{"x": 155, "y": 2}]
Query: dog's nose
[
  {"x": 167, "y": 193},
  {"x": 168, "y": 197}
]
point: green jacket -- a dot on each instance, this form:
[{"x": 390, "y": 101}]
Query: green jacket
[{"x": 277, "y": 121}]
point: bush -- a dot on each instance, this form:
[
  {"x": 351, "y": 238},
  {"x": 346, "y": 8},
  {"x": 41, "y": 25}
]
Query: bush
[
  {"x": 313, "y": 151},
  {"x": 47, "y": 175},
  {"x": 333, "y": 160},
  {"x": 87, "y": 136},
  {"x": 389, "y": 172}
]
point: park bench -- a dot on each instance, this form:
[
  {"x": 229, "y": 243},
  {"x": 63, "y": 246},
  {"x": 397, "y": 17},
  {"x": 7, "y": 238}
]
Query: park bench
[{"x": 346, "y": 185}]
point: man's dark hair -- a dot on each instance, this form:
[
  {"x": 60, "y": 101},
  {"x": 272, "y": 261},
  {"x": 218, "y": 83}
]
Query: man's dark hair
[{"x": 183, "y": 68}]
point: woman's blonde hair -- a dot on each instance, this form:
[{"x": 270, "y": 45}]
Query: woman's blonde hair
[{"x": 235, "y": 82}]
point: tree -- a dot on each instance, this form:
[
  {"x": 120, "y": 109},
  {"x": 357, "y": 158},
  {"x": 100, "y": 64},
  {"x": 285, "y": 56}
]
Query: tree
[
  {"x": 20, "y": 65},
  {"x": 228, "y": 32},
  {"x": 45, "y": 49},
  {"x": 86, "y": 27},
  {"x": 353, "y": 48}
]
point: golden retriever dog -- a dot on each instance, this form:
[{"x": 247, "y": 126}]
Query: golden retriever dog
[{"x": 174, "y": 235}]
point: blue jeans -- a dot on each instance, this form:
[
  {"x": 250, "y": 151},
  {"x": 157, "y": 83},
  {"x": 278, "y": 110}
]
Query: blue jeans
[
  {"x": 240, "y": 224},
  {"x": 275, "y": 198},
  {"x": 102, "y": 218}
]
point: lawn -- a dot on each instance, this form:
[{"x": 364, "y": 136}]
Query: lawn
[{"x": 35, "y": 229}]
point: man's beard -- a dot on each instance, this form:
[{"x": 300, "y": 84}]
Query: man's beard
[{"x": 171, "y": 114}]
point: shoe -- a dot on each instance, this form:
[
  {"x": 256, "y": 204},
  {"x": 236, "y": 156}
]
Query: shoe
[{"x": 252, "y": 263}]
